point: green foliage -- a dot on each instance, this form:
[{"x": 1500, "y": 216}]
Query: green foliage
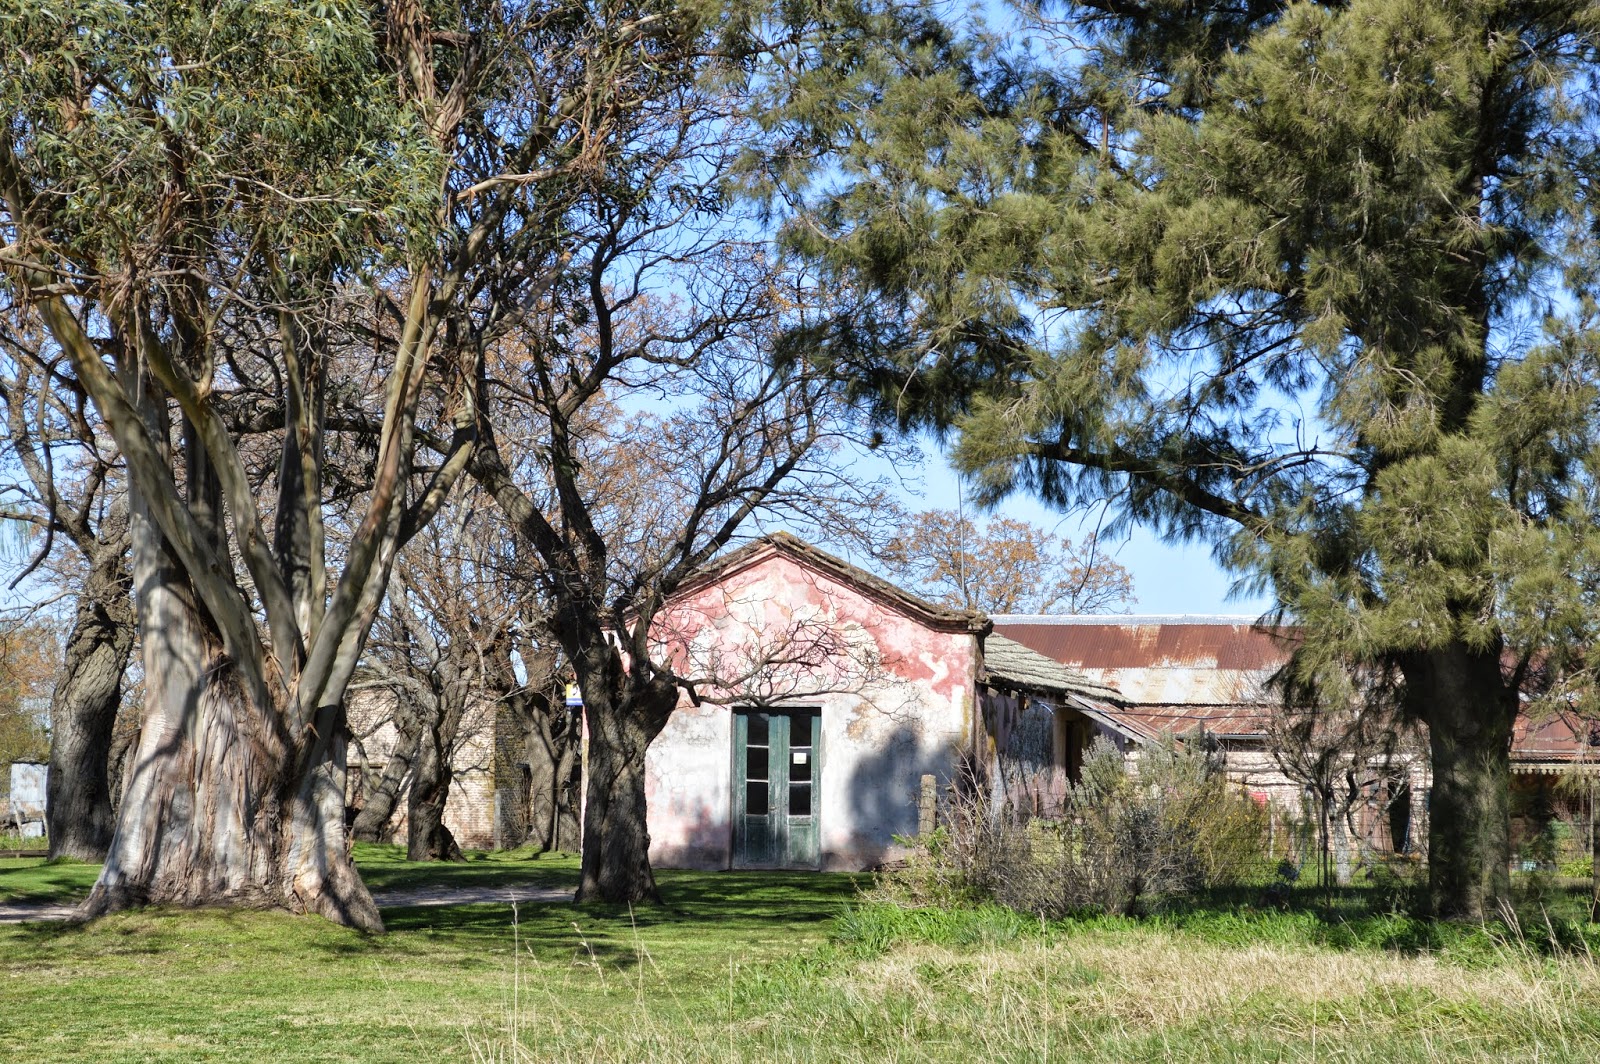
[
  {"x": 1312, "y": 282},
  {"x": 873, "y": 927},
  {"x": 1169, "y": 825},
  {"x": 278, "y": 115},
  {"x": 1127, "y": 840}
]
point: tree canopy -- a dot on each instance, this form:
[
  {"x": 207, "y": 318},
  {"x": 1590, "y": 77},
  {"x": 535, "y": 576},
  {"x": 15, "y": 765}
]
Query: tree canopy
[
  {"x": 1007, "y": 566},
  {"x": 1312, "y": 282}
]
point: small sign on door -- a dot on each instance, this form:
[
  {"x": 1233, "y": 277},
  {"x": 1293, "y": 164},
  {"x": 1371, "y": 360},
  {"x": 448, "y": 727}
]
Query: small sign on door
[{"x": 800, "y": 757}]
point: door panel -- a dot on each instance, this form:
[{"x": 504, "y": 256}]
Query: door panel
[{"x": 775, "y": 776}]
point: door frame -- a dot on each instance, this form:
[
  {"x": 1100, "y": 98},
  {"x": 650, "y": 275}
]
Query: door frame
[{"x": 736, "y": 780}]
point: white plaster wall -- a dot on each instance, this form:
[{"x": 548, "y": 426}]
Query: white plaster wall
[
  {"x": 878, "y": 738},
  {"x": 689, "y": 784},
  {"x": 26, "y": 807}
]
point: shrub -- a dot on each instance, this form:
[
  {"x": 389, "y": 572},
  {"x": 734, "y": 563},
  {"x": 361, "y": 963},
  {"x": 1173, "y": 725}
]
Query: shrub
[
  {"x": 1578, "y": 867},
  {"x": 1126, "y": 840}
]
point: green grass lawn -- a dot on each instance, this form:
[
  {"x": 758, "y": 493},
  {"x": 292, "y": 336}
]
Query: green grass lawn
[{"x": 761, "y": 966}]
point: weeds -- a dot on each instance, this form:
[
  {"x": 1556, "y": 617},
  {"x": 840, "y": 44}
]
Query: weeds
[{"x": 1125, "y": 841}]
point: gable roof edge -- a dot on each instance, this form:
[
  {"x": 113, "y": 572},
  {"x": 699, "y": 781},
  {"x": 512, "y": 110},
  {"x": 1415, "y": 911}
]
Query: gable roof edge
[{"x": 818, "y": 560}]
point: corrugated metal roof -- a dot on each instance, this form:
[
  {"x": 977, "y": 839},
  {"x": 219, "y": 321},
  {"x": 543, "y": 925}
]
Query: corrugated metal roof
[
  {"x": 1010, "y": 664},
  {"x": 1197, "y": 686},
  {"x": 1209, "y": 643},
  {"x": 1110, "y": 718},
  {"x": 1562, "y": 737},
  {"x": 1178, "y": 673},
  {"x": 1185, "y": 661}
]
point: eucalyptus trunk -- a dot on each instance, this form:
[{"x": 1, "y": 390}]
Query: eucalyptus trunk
[
  {"x": 1469, "y": 709},
  {"x": 223, "y": 808},
  {"x": 83, "y": 712}
]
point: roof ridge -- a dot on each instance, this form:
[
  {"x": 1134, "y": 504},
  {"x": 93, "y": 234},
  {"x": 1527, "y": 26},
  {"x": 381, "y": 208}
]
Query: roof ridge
[
  {"x": 1129, "y": 618},
  {"x": 863, "y": 579}
]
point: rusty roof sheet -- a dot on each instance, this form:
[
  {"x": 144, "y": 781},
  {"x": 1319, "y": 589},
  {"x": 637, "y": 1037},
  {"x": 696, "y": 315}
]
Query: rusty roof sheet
[
  {"x": 1561, "y": 737},
  {"x": 1200, "y": 661},
  {"x": 1010, "y": 664},
  {"x": 1192, "y": 642}
]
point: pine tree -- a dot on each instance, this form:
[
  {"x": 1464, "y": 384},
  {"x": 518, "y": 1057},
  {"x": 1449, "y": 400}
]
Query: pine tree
[{"x": 1310, "y": 282}]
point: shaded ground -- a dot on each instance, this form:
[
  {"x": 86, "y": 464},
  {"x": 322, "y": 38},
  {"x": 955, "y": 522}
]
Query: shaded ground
[{"x": 417, "y": 897}]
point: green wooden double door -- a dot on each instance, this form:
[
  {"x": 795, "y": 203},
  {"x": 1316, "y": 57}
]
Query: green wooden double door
[{"x": 776, "y": 786}]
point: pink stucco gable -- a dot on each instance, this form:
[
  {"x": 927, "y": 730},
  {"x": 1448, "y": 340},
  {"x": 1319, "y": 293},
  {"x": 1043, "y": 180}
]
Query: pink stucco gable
[{"x": 783, "y": 624}]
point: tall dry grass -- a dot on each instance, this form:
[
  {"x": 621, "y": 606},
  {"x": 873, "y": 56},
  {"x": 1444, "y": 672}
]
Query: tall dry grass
[{"x": 1098, "y": 995}]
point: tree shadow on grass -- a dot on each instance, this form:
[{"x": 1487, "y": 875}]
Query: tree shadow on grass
[
  {"x": 701, "y": 911},
  {"x": 34, "y": 880},
  {"x": 384, "y": 868}
]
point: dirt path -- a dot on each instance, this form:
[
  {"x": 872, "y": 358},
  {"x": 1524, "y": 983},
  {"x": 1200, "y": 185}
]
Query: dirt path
[{"x": 29, "y": 912}]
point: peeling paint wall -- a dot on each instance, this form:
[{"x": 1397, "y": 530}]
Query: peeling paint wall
[
  {"x": 896, "y": 698},
  {"x": 1021, "y": 739}
]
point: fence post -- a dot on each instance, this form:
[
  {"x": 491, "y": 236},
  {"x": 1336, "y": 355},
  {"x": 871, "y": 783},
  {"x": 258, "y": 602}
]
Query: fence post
[{"x": 926, "y": 805}]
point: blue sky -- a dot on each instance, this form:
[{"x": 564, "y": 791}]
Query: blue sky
[{"x": 1166, "y": 578}]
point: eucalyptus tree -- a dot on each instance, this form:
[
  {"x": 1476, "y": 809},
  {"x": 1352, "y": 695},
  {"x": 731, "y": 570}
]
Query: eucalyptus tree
[
  {"x": 1311, "y": 282},
  {"x": 190, "y": 194}
]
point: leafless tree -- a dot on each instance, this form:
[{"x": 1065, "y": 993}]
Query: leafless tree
[
  {"x": 1341, "y": 735},
  {"x": 442, "y": 646}
]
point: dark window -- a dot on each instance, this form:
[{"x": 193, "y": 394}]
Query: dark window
[
  {"x": 755, "y": 798},
  {"x": 800, "y": 766},
  {"x": 755, "y": 763},
  {"x": 758, "y": 730},
  {"x": 799, "y": 799},
  {"x": 800, "y": 729}
]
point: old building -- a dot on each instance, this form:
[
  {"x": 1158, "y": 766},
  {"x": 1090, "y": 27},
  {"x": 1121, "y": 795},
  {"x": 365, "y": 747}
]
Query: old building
[
  {"x": 827, "y": 713},
  {"x": 1208, "y": 675},
  {"x": 828, "y": 708}
]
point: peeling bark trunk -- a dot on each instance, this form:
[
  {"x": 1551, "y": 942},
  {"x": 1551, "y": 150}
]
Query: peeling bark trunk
[
  {"x": 124, "y": 745},
  {"x": 1469, "y": 710},
  {"x": 223, "y": 809},
  {"x": 83, "y": 712},
  {"x": 622, "y": 722},
  {"x": 375, "y": 821}
]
